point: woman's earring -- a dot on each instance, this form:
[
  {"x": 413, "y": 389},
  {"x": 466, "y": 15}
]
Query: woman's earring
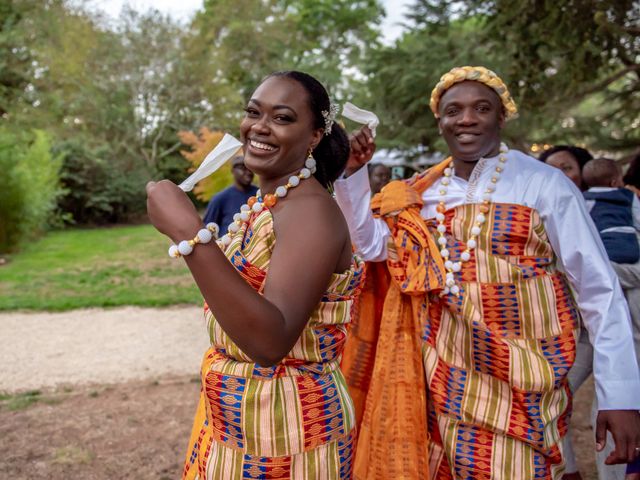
[{"x": 310, "y": 162}]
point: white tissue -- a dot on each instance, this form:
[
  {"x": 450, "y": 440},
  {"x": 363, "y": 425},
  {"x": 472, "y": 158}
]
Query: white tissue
[
  {"x": 223, "y": 151},
  {"x": 350, "y": 111}
]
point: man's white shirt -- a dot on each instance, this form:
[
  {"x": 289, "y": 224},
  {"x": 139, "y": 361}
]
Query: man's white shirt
[{"x": 573, "y": 237}]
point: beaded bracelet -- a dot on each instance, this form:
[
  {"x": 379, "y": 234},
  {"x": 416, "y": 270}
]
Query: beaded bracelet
[{"x": 185, "y": 247}]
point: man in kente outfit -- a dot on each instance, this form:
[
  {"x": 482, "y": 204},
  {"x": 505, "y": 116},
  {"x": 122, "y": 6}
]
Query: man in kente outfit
[{"x": 494, "y": 263}]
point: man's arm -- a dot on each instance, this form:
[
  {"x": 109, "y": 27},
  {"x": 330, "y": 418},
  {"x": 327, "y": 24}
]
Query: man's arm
[
  {"x": 368, "y": 234},
  {"x": 353, "y": 194},
  {"x": 577, "y": 244}
]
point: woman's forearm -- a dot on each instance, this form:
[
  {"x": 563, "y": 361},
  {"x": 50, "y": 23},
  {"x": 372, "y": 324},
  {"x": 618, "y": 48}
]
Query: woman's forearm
[{"x": 255, "y": 324}]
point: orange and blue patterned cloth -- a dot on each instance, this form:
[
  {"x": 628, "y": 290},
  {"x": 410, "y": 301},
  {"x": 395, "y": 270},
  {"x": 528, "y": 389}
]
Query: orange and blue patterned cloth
[
  {"x": 494, "y": 360},
  {"x": 291, "y": 420},
  {"x": 497, "y": 356}
]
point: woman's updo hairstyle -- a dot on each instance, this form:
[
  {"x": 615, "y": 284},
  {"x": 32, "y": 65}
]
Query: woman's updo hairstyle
[{"x": 332, "y": 152}]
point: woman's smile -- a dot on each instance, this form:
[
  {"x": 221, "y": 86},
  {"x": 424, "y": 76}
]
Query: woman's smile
[{"x": 260, "y": 148}]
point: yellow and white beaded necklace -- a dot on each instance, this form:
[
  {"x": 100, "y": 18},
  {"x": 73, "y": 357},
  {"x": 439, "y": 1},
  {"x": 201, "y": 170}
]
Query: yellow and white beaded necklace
[{"x": 455, "y": 267}]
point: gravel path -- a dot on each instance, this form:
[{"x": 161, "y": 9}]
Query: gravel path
[{"x": 47, "y": 350}]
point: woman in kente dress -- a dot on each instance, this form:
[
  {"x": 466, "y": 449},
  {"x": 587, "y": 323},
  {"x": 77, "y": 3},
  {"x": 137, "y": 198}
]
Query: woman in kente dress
[{"x": 274, "y": 403}]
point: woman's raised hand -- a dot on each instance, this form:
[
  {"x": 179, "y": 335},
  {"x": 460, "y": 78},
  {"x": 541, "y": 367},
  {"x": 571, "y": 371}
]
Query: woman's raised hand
[{"x": 171, "y": 211}]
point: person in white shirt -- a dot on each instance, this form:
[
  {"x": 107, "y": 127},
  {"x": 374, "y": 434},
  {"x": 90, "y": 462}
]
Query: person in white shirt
[{"x": 485, "y": 249}]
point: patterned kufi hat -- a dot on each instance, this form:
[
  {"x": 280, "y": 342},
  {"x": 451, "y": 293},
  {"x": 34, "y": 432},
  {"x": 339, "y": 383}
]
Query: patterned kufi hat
[{"x": 476, "y": 74}]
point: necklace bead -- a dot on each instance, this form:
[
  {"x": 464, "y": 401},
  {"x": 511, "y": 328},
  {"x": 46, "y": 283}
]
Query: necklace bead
[
  {"x": 305, "y": 173},
  {"x": 270, "y": 200},
  {"x": 294, "y": 181},
  {"x": 257, "y": 203},
  {"x": 472, "y": 243}
]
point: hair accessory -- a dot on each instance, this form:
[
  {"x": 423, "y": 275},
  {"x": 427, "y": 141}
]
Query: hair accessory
[
  {"x": 185, "y": 247},
  {"x": 330, "y": 117},
  {"x": 475, "y": 74}
]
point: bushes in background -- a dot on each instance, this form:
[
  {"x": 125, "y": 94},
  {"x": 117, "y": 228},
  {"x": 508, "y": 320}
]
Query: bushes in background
[
  {"x": 98, "y": 188},
  {"x": 29, "y": 186}
]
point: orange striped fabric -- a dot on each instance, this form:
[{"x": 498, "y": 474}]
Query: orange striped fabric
[
  {"x": 294, "y": 420},
  {"x": 493, "y": 360}
]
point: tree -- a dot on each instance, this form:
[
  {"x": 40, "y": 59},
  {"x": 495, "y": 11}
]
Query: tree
[
  {"x": 15, "y": 65},
  {"x": 572, "y": 67},
  {"x": 244, "y": 40},
  {"x": 113, "y": 96},
  {"x": 401, "y": 77},
  {"x": 29, "y": 186},
  {"x": 582, "y": 58}
]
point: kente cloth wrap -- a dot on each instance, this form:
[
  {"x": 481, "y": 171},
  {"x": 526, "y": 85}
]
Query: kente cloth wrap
[
  {"x": 476, "y": 74},
  {"x": 384, "y": 365},
  {"x": 292, "y": 420},
  {"x": 368, "y": 305},
  {"x": 495, "y": 358}
]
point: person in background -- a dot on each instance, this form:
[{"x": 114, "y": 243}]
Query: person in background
[
  {"x": 379, "y": 176},
  {"x": 569, "y": 159},
  {"x": 616, "y": 212},
  {"x": 630, "y": 275},
  {"x": 632, "y": 177},
  {"x": 225, "y": 204},
  {"x": 614, "y": 209}
]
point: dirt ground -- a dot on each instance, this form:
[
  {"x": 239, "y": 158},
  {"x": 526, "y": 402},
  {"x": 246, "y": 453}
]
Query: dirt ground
[
  {"x": 128, "y": 430},
  {"x": 101, "y": 425},
  {"x": 137, "y": 430}
]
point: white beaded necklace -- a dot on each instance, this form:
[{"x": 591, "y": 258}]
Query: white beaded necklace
[
  {"x": 254, "y": 204},
  {"x": 455, "y": 267},
  {"x": 257, "y": 202}
]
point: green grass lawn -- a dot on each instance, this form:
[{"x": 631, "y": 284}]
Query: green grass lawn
[{"x": 101, "y": 267}]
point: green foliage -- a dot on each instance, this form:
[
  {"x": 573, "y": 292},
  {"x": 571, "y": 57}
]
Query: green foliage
[
  {"x": 12, "y": 194},
  {"x": 114, "y": 96},
  {"x": 576, "y": 62},
  {"x": 39, "y": 172},
  {"x": 96, "y": 190},
  {"x": 29, "y": 187},
  {"x": 15, "y": 60},
  {"x": 102, "y": 267},
  {"x": 245, "y": 40},
  {"x": 403, "y": 75},
  {"x": 572, "y": 67},
  {"x": 131, "y": 89},
  {"x": 20, "y": 401}
]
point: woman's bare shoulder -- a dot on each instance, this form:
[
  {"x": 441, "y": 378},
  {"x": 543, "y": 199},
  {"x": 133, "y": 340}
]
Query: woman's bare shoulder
[{"x": 312, "y": 213}]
